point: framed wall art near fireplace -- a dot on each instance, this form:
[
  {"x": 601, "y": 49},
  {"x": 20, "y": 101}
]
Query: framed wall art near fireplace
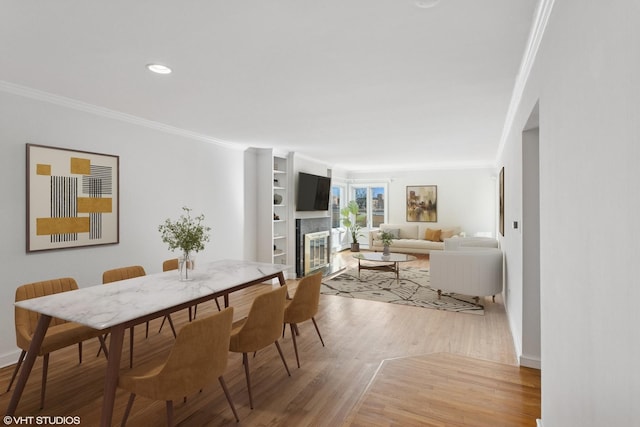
[
  {"x": 422, "y": 203},
  {"x": 72, "y": 198}
]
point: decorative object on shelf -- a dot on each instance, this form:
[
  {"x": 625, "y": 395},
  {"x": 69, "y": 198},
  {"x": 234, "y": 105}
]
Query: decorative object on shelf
[
  {"x": 422, "y": 203},
  {"x": 187, "y": 234},
  {"x": 276, "y": 217},
  {"x": 277, "y": 199},
  {"x": 387, "y": 238},
  {"x": 72, "y": 198},
  {"x": 350, "y": 216},
  {"x": 276, "y": 182}
]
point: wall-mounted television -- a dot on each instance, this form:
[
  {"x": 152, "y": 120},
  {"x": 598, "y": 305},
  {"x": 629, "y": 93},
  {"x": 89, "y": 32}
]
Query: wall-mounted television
[{"x": 313, "y": 192}]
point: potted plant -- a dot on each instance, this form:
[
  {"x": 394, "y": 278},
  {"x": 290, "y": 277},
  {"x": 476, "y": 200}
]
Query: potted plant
[
  {"x": 386, "y": 237},
  {"x": 350, "y": 221},
  {"x": 188, "y": 234}
]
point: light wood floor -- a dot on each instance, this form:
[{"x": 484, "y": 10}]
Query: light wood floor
[{"x": 380, "y": 359}]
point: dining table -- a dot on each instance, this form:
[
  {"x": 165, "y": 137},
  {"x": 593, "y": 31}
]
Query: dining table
[{"x": 123, "y": 304}]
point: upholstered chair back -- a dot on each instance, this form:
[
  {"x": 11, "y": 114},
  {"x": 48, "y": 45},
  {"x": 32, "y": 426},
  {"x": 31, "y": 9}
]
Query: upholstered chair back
[
  {"x": 304, "y": 304},
  {"x": 27, "y": 320},
  {"x": 263, "y": 325},
  {"x": 198, "y": 357},
  {"x": 122, "y": 273},
  {"x": 170, "y": 264}
]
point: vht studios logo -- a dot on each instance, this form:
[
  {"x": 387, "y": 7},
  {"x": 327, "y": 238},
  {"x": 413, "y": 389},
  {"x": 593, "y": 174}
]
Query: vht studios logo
[{"x": 41, "y": 420}]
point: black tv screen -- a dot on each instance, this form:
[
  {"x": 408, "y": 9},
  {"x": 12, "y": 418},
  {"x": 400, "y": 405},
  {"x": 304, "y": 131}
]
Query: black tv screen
[{"x": 313, "y": 192}]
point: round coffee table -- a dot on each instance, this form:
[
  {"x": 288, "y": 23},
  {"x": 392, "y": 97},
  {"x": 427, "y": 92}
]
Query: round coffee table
[{"x": 382, "y": 262}]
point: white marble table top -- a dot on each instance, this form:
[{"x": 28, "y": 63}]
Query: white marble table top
[{"x": 103, "y": 306}]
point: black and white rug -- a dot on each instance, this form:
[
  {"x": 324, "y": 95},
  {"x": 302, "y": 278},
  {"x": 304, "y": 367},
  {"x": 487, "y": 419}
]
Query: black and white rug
[{"x": 412, "y": 289}]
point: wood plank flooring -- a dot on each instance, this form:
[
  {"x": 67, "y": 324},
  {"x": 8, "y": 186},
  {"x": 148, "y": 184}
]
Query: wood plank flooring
[{"x": 409, "y": 351}]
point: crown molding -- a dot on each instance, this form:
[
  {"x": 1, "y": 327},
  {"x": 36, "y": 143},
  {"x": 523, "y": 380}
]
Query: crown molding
[
  {"x": 543, "y": 12},
  {"x": 62, "y": 101}
]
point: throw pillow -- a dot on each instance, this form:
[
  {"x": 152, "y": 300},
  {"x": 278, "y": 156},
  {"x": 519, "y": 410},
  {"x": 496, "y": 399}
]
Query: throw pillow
[
  {"x": 432, "y": 235},
  {"x": 445, "y": 234},
  {"x": 395, "y": 232}
]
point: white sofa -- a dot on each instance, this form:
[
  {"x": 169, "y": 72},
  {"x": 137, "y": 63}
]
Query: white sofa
[
  {"x": 469, "y": 270},
  {"x": 411, "y": 238}
]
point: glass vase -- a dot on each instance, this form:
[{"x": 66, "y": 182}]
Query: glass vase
[{"x": 186, "y": 264}]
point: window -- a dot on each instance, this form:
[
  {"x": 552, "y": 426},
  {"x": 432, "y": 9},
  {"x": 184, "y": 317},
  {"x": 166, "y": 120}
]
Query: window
[
  {"x": 337, "y": 203},
  {"x": 371, "y": 201}
]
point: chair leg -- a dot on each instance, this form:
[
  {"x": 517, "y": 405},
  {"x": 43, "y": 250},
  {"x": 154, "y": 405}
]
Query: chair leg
[
  {"x": 190, "y": 316},
  {"x": 131, "y": 347},
  {"x": 15, "y": 371},
  {"x": 282, "y": 357},
  {"x": 317, "y": 330},
  {"x": 127, "y": 411},
  {"x": 295, "y": 344},
  {"x": 195, "y": 311},
  {"x": 164, "y": 319},
  {"x": 101, "y": 349},
  {"x": 226, "y": 393},
  {"x": 171, "y": 324},
  {"x": 170, "y": 413},
  {"x": 45, "y": 369},
  {"x": 80, "y": 353},
  {"x": 146, "y": 331},
  {"x": 103, "y": 346},
  {"x": 218, "y": 304},
  {"x": 245, "y": 362}
]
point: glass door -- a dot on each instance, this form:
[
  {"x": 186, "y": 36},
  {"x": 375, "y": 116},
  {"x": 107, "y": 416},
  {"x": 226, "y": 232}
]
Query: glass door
[{"x": 372, "y": 204}]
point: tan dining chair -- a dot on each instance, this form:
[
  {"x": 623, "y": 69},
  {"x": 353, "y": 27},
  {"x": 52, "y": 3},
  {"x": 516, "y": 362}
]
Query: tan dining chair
[
  {"x": 198, "y": 357},
  {"x": 260, "y": 329},
  {"x": 60, "y": 333},
  {"x": 124, "y": 273},
  {"x": 303, "y": 306}
]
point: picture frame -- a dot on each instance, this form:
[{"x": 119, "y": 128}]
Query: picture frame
[
  {"x": 501, "y": 201},
  {"x": 72, "y": 198},
  {"x": 422, "y": 203}
]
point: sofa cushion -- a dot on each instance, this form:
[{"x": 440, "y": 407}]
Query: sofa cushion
[
  {"x": 432, "y": 235},
  {"x": 407, "y": 231},
  {"x": 447, "y": 233},
  {"x": 395, "y": 232}
]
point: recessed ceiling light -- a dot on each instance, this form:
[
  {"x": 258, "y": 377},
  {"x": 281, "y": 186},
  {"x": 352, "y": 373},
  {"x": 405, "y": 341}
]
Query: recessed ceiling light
[
  {"x": 160, "y": 69},
  {"x": 426, "y": 4}
]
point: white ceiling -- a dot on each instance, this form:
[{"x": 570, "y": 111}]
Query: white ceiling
[{"x": 352, "y": 83}]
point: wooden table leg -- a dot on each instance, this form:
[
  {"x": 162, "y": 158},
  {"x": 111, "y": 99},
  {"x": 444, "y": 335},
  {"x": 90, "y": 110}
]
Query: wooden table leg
[
  {"x": 111, "y": 376},
  {"x": 283, "y": 282},
  {"x": 27, "y": 365}
]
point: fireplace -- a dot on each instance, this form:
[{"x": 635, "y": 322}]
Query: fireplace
[
  {"x": 316, "y": 251},
  {"x": 313, "y": 244}
]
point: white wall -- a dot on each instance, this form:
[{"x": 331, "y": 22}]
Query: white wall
[
  {"x": 159, "y": 173},
  {"x": 466, "y": 197},
  {"x": 587, "y": 81}
]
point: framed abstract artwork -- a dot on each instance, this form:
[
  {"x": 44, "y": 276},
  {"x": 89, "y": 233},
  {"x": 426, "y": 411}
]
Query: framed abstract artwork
[
  {"x": 72, "y": 198},
  {"x": 501, "y": 202},
  {"x": 422, "y": 203}
]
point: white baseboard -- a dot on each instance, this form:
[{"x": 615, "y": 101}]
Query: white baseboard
[
  {"x": 10, "y": 358},
  {"x": 530, "y": 362},
  {"x": 539, "y": 422}
]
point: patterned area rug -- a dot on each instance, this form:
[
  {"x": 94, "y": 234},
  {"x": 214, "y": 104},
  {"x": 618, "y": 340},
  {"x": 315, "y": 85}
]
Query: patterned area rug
[{"x": 412, "y": 289}]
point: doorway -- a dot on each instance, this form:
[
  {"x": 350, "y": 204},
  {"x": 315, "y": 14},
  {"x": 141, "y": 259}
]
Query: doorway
[{"x": 531, "y": 340}]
